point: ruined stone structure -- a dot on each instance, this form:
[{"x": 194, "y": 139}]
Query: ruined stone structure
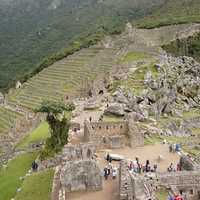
[
  {"x": 139, "y": 187},
  {"x": 81, "y": 175},
  {"x": 186, "y": 183},
  {"x": 77, "y": 170},
  {"x": 133, "y": 187},
  {"x": 113, "y": 134}
]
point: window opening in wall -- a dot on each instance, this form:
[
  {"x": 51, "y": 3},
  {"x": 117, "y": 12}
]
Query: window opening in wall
[
  {"x": 99, "y": 127},
  {"x": 121, "y": 126},
  {"x": 191, "y": 192},
  {"x": 107, "y": 127}
]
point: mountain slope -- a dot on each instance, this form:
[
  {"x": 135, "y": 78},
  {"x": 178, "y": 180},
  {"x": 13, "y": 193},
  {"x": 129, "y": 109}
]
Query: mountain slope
[
  {"x": 31, "y": 30},
  {"x": 172, "y": 12}
]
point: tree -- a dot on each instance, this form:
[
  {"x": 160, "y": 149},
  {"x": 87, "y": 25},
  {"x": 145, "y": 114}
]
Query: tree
[{"x": 59, "y": 125}]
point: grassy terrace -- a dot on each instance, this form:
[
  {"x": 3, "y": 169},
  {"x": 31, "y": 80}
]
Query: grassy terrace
[
  {"x": 10, "y": 177},
  {"x": 7, "y": 119},
  {"x": 64, "y": 77},
  {"x": 39, "y": 134},
  {"x": 135, "y": 80},
  {"x": 37, "y": 187}
]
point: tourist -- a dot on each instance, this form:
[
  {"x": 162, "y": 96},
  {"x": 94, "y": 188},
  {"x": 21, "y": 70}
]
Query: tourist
[
  {"x": 147, "y": 166},
  {"x": 34, "y": 166},
  {"x": 155, "y": 166},
  {"x": 170, "y": 197},
  {"x": 170, "y": 148},
  {"x": 178, "y": 168},
  {"x": 171, "y": 168},
  {"x": 178, "y": 197},
  {"x": 106, "y": 173},
  {"x": 114, "y": 173},
  {"x": 108, "y": 157},
  {"x": 130, "y": 165},
  {"x": 90, "y": 119}
]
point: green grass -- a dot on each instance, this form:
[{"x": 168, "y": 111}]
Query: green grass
[
  {"x": 9, "y": 177},
  {"x": 161, "y": 194},
  {"x": 153, "y": 140},
  {"x": 193, "y": 113},
  {"x": 39, "y": 134},
  {"x": 133, "y": 56},
  {"x": 135, "y": 80},
  {"x": 112, "y": 118},
  {"x": 37, "y": 187}
]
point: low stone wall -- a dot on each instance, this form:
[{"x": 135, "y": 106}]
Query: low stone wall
[
  {"x": 184, "y": 182},
  {"x": 69, "y": 153},
  {"x": 133, "y": 186}
]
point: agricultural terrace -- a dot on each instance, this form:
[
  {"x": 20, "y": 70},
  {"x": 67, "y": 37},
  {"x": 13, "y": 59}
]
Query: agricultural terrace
[
  {"x": 8, "y": 118},
  {"x": 65, "y": 77}
]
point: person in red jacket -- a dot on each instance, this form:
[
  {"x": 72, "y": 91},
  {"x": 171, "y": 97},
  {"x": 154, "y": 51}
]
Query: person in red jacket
[{"x": 178, "y": 197}]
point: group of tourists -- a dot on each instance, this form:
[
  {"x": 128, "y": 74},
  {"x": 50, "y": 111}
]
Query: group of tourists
[
  {"x": 173, "y": 168},
  {"x": 136, "y": 167},
  {"x": 174, "y": 148},
  {"x": 175, "y": 197},
  {"x": 109, "y": 170}
]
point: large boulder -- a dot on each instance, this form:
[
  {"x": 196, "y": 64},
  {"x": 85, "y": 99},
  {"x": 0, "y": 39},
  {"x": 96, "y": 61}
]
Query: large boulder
[
  {"x": 115, "y": 109},
  {"x": 120, "y": 97},
  {"x": 81, "y": 175},
  {"x": 135, "y": 116},
  {"x": 186, "y": 163}
]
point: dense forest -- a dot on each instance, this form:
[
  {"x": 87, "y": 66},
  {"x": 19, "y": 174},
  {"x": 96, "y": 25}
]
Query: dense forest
[{"x": 33, "y": 30}]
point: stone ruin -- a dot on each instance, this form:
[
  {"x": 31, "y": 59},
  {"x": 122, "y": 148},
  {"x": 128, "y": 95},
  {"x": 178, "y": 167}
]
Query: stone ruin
[
  {"x": 113, "y": 134},
  {"x": 132, "y": 187},
  {"x": 139, "y": 187},
  {"x": 77, "y": 170},
  {"x": 81, "y": 175}
]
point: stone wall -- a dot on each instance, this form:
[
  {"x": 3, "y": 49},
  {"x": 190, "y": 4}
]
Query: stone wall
[
  {"x": 106, "y": 134},
  {"x": 70, "y": 153},
  {"x": 184, "y": 182},
  {"x": 133, "y": 186},
  {"x": 81, "y": 175},
  {"x": 113, "y": 134}
]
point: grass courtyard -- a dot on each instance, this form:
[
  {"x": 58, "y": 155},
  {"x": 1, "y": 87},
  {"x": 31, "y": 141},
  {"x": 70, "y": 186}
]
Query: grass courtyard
[
  {"x": 37, "y": 186},
  {"x": 10, "y": 176}
]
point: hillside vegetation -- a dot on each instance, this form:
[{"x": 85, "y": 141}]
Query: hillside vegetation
[
  {"x": 189, "y": 47},
  {"x": 35, "y": 29},
  {"x": 172, "y": 12}
]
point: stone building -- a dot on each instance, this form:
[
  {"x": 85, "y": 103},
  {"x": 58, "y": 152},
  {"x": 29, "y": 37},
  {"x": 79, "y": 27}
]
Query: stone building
[
  {"x": 77, "y": 170},
  {"x": 81, "y": 175},
  {"x": 113, "y": 134},
  {"x": 139, "y": 187}
]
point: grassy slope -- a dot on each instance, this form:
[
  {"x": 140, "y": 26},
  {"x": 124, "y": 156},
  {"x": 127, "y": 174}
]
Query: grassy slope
[
  {"x": 37, "y": 186},
  {"x": 38, "y": 134},
  {"x": 9, "y": 177},
  {"x": 172, "y": 12}
]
